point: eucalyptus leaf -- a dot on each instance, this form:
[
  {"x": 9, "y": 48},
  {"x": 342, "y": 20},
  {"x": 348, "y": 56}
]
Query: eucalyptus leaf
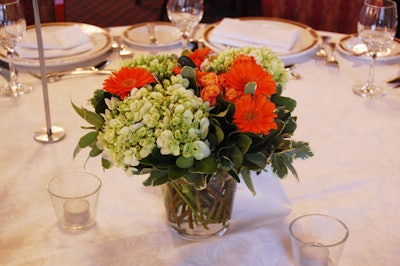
[
  {"x": 88, "y": 139},
  {"x": 189, "y": 73},
  {"x": 76, "y": 151},
  {"x": 250, "y": 88},
  {"x": 105, "y": 163},
  {"x": 91, "y": 117},
  {"x": 95, "y": 151}
]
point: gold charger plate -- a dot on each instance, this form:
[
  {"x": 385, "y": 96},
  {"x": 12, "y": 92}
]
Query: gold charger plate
[
  {"x": 166, "y": 34},
  {"x": 352, "y": 46},
  {"x": 100, "y": 39},
  {"x": 306, "y": 43}
]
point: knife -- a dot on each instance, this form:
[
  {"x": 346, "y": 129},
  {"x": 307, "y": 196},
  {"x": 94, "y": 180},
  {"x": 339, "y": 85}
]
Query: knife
[
  {"x": 5, "y": 70},
  {"x": 395, "y": 80},
  {"x": 97, "y": 69}
]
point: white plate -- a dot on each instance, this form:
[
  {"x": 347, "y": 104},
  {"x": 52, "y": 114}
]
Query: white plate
[
  {"x": 306, "y": 43},
  {"x": 165, "y": 33},
  {"x": 351, "y": 45},
  {"x": 100, "y": 39}
]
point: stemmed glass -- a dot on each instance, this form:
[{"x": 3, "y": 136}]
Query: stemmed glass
[
  {"x": 185, "y": 15},
  {"x": 377, "y": 26},
  {"x": 12, "y": 28}
]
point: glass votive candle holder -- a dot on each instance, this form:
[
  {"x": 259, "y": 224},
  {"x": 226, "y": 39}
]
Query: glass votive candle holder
[
  {"x": 75, "y": 197},
  {"x": 317, "y": 240}
]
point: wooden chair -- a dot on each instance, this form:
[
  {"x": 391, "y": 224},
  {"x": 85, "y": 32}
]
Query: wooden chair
[
  {"x": 46, "y": 10},
  {"x": 329, "y": 15},
  {"x": 105, "y": 13}
]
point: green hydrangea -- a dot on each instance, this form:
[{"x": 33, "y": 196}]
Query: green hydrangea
[
  {"x": 160, "y": 65},
  {"x": 171, "y": 118}
]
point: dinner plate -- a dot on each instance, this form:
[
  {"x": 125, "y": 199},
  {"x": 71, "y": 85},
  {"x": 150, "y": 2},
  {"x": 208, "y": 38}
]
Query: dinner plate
[
  {"x": 351, "y": 45},
  {"x": 100, "y": 39},
  {"x": 306, "y": 43},
  {"x": 165, "y": 33}
]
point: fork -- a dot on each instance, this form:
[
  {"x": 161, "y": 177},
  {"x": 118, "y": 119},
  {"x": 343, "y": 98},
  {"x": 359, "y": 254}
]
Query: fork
[
  {"x": 321, "y": 55},
  {"x": 120, "y": 48},
  {"x": 333, "y": 64}
]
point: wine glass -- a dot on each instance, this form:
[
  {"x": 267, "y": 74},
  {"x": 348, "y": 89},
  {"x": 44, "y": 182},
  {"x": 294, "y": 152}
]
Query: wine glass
[
  {"x": 12, "y": 28},
  {"x": 185, "y": 15},
  {"x": 376, "y": 27}
]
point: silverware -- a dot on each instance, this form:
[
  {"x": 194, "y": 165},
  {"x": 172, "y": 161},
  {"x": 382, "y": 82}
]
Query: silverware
[
  {"x": 395, "y": 80},
  {"x": 97, "y": 69},
  {"x": 120, "y": 48},
  {"x": 152, "y": 35},
  {"x": 321, "y": 55},
  {"x": 289, "y": 68},
  {"x": 333, "y": 64}
]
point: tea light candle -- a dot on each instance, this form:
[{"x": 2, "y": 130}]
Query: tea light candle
[
  {"x": 314, "y": 256},
  {"x": 76, "y": 211}
]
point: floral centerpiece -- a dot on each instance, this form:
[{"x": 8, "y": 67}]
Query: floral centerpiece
[{"x": 196, "y": 121}]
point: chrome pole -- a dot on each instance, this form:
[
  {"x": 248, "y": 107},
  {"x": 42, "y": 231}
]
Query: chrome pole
[{"x": 51, "y": 133}]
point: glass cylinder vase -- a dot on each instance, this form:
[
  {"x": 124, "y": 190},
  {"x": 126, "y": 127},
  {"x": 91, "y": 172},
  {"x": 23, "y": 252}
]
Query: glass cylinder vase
[{"x": 200, "y": 214}]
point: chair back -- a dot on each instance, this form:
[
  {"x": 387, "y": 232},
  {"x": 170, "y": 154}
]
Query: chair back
[
  {"x": 328, "y": 15},
  {"x": 106, "y": 13}
]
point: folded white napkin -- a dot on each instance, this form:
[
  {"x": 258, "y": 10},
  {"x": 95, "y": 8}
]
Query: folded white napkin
[
  {"x": 240, "y": 33},
  {"x": 269, "y": 208},
  {"x": 66, "y": 41}
]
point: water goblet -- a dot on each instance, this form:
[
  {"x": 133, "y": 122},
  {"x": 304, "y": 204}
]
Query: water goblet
[
  {"x": 185, "y": 15},
  {"x": 376, "y": 28},
  {"x": 12, "y": 28}
]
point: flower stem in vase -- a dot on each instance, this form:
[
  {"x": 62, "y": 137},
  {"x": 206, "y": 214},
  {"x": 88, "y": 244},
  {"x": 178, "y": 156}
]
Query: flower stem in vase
[{"x": 198, "y": 214}]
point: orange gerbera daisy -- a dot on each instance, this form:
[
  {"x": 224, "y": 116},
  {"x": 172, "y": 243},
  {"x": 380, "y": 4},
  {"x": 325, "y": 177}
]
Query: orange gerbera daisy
[
  {"x": 199, "y": 55},
  {"x": 255, "y": 114},
  {"x": 244, "y": 70},
  {"x": 122, "y": 82}
]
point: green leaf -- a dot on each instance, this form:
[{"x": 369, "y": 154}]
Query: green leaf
[
  {"x": 206, "y": 166},
  {"x": 302, "y": 150},
  {"x": 186, "y": 61},
  {"x": 290, "y": 126},
  {"x": 257, "y": 160},
  {"x": 176, "y": 172},
  {"x": 183, "y": 162},
  {"x": 278, "y": 165},
  {"x": 250, "y": 88},
  {"x": 219, "y": 133},
  {"x": 76, "y": 151},
  {"x": 95, "y": 151},
  {"x": 156, "y": 178},
  {"x": 88, "y": 139},
  {"x": 243, "y": 143},
  {"x": 91, "y": 117},
  {"x": 105, "y": 163},
  {"x": 236, "y": 156},
  {"x": 188, "y": 73},
  {"x": 247, "y": 180},
  {"x": 289, "y": 103}
]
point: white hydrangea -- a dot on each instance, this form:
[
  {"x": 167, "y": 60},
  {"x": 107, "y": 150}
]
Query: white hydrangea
[{"x": 171, "y": 118}]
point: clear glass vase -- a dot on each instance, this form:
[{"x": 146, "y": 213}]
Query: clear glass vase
[{"x": 200, "y": 214}]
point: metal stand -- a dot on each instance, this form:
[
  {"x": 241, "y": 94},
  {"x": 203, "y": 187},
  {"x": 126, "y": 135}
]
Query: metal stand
[{"x": 51, "y": 133}]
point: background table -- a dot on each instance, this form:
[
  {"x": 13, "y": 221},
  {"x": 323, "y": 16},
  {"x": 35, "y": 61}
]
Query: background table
[{"x": 354, "y": 176}]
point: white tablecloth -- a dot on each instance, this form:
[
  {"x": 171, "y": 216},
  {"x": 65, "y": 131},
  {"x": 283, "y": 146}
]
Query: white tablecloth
[{"x": 354, "y": 175}]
